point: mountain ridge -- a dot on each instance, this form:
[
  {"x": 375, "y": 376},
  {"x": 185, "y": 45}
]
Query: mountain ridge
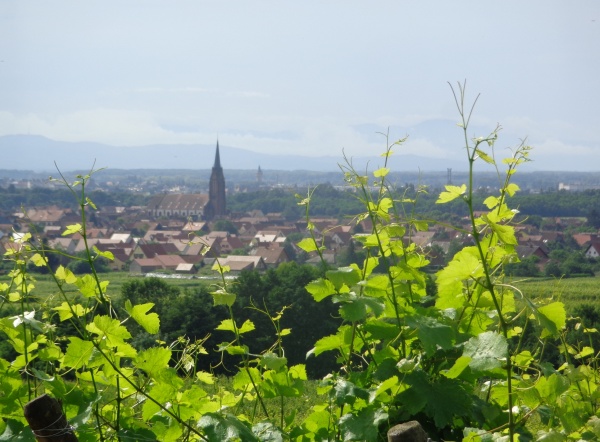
[{"x": 38, "y": 153}]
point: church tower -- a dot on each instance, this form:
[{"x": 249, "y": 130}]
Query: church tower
[{"x": 216, "y": 206}]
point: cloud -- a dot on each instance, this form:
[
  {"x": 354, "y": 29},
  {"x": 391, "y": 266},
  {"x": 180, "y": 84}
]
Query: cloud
[{"x": 171, "y": 90}]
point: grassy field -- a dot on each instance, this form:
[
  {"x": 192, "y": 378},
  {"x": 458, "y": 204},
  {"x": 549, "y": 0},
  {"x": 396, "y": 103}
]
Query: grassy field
[
  {"x": 571, "y": 291},
  {"x": 45, "y": 285}
]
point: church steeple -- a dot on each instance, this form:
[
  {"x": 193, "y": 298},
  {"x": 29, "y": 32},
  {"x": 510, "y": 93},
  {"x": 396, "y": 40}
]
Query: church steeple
[
  {"x": 216, "y": 206},
  {"x": 217, "y": 158}
]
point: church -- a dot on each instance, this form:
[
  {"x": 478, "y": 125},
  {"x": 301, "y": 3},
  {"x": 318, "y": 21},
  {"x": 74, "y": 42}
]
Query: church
[{"x": 198, "y": 205}]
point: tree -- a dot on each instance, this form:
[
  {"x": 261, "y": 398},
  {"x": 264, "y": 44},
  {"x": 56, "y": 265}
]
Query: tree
[
  {"x": 593, "y": 218},
  {"x": 224, "y": 225}
]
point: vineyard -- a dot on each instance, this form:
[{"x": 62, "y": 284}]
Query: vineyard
[{"x": 479, "y": 358}]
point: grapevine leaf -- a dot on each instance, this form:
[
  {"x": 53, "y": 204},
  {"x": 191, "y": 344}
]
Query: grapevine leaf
[
  {"x": 552, "y": 317},
  {"x": 111, "y": 329},
  {"x": 223, "y": 297},
  {"x": 153, "y": 359},
  {"x": 66, "y": 275},
  {"x": 107, "y": 254},
  {"x": 451, "y": 193},
  {"x": 505, "y": 233},
  {"x": 225, "y": 428},
  {"x": 432, "y": 333},
  {"x": 340, "y": 341},
  {"x": 512, "y": 188},
  {"x": 484, "y": 156},
  {"x": 308, "y": 245},
  {"x": 443, "y": 399},
  {"x": 379, "y": 173},
  {"x": 355, "y": 308},
  {"x": 363, "y": 425},
  {"x": 347, "y": 276},
  {"x": 66, "y": 310},
  {"x": 78, "y": 352},
  {"x": 345, "y": 392},
  {"x": 487, "y": 351},
  {"x": 38, "y": 260},
  {"x": 272, "y": 362},
  {"x": 267, "y": 432},
  {"x": 87, "y": 286},
  {"x": 459, "y": 366},
  {"x": 491, "y": 202},
  {"x": 149, "y": 321},
  {"x": 73, "y": 228},
  {"x": 552, "y": 387},
  {"x": 320, "y": 289},
  {"x": 247, "y": 326}
]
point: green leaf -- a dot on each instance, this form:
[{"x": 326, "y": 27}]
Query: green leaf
[
  {"x": 267, "y": 432},
  {"x": 487, "y": 351},
  {"x": 272, "y": 362},
  {"x": 38, "y": 260},
  {"x": 347, "y": 276},
  {"x": 150, "y": 322},
  {"x": 485, "y": 157},
  {"x": 320, "y": 289},
  {"x": 442, "y": 398},
  {"x": 78, "y": 353},
  {"x": 225, "y": 428},
  {"x": 340, "y": 341},
  {"x": 111, "y": 329},
  {"x": 432, "y": 333},
  {"x": 65, "y": 310},
  {"x": 90, "y": 203},
  {"x": 364, "y": 425},
  {"x": 153, "y": 359},
  {"x": 346, "y": 392},
  {"x": 512, "y": 188},
  {"x": 65, "y": 275},
  {"x": 223, "y": 297},
  {"x": 552, "y": 317},
  {"x": 491, "y": 202},
  {"x": 308, "y": 245},
  {"x": 505, "y": 233},
  {"x": 87, "y": 286},
  {"x": 356, "y": 308},
  {"x": 227, "y": 325},
  {"x": 459, "y": 366},
  {"x": 73, "y": 228},
  {"x": 379, "y": 173},
  {"x": 246, "y": 327},
  {"x": 550, "y": 388},
  {"x": 107, "y": 254},
  {"x": 452, "y": 192}
]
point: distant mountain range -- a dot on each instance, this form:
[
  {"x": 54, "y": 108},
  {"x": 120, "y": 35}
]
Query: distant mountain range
[{"x": 37, "y": 153}]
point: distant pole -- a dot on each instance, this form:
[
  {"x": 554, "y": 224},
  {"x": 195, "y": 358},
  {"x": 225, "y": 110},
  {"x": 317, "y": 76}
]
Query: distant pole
[{"x": 449, "y": 176}]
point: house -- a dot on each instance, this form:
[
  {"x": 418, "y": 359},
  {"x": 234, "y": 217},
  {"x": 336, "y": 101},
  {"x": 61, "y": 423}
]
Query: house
[
  {"x": 158, "y": 263},
  {"x": 151, "y": 250},
  {"x": 593, "y": 250},
  {"x": 49, "y": 216},
  {"x": 238, "y": 263},
  {"x": 273, "y": 255},
  {"x": 266, "y": 237}
]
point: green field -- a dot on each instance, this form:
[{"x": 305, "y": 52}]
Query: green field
[
  {"x": 570, "y": 291},
  {"x": 45, "y": 285}
]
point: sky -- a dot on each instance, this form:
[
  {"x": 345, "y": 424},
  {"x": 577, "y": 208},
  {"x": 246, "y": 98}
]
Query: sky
[{"x": 305, "y": 77}]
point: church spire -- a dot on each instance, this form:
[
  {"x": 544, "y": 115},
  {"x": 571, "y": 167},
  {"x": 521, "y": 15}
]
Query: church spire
[
  {"x": 217, "y": 157},
  {"x": 217, "y": 205}
]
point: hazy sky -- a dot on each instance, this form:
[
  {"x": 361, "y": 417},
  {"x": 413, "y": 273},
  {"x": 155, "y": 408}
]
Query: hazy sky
[{"x": 304, "y": 77}]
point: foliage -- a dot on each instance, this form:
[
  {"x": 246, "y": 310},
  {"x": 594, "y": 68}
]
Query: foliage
[{"x": 454, "y": 358}]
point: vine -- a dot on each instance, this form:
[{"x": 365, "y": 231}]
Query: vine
[{"x": 465, "y": 357}]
